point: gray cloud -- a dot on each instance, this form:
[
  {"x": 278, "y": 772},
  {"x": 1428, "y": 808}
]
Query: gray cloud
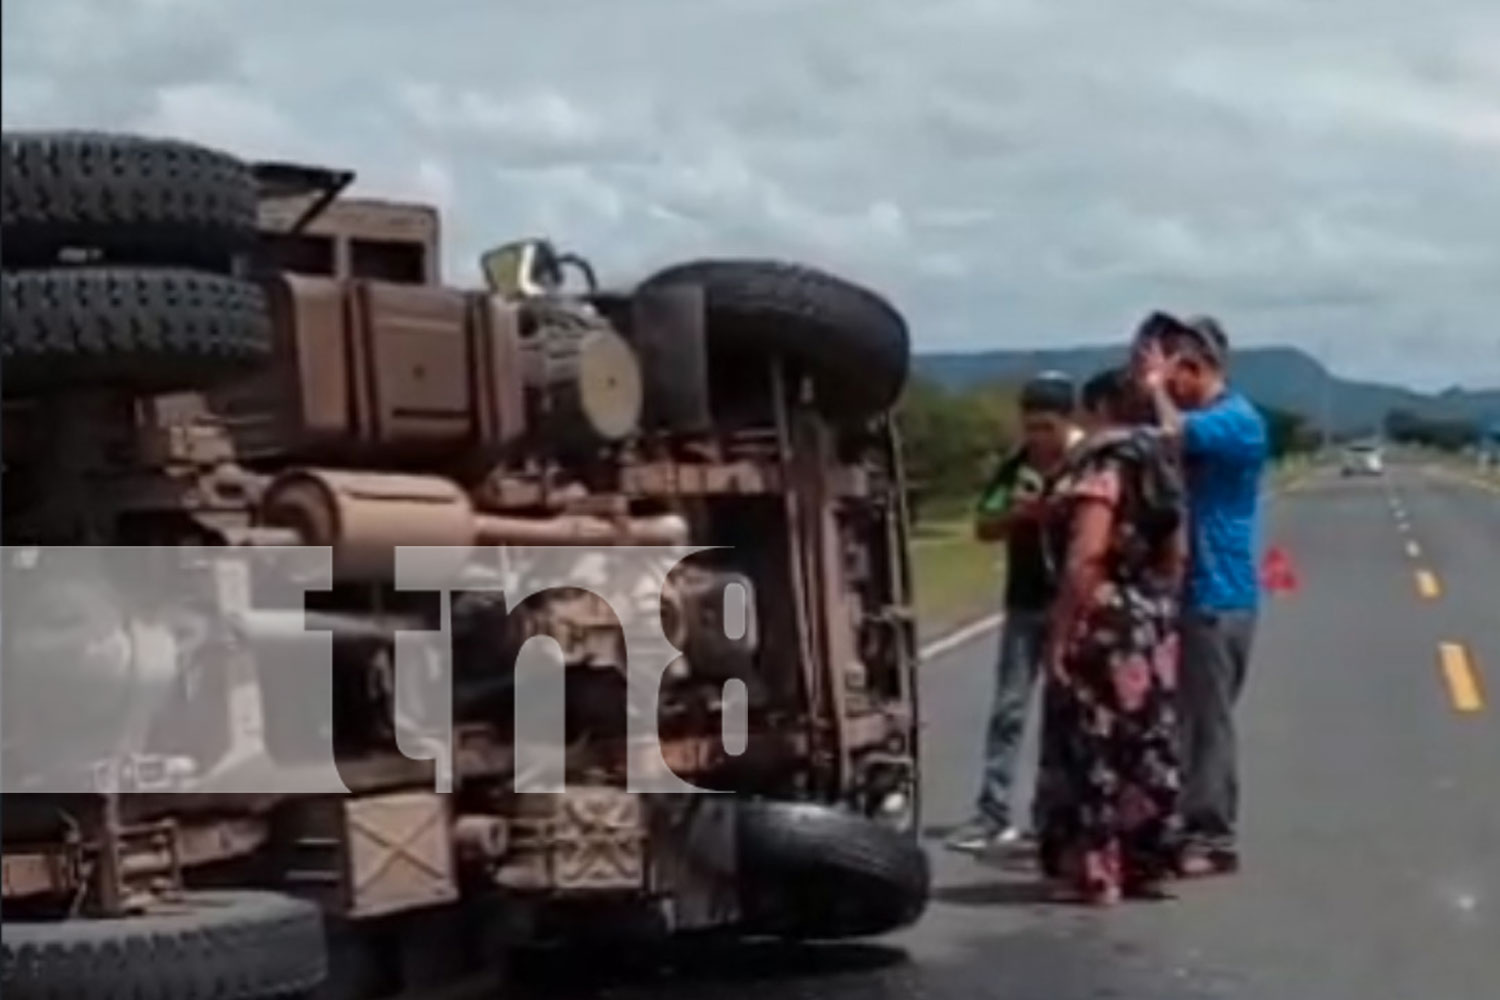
[{"x": 1011, "y": 173}]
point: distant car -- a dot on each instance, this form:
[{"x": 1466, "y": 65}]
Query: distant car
[{"x": 1363, "y": 460}]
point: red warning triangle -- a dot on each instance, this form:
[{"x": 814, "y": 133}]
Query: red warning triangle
[{"x": 1277, "y": 573}]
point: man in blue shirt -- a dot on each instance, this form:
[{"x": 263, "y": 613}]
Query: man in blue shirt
[{"x": 1224, "y": 447}]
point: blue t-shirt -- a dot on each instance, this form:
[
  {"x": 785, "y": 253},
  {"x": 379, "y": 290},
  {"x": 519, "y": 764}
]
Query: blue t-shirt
[{"x": 1224, "y": 449}]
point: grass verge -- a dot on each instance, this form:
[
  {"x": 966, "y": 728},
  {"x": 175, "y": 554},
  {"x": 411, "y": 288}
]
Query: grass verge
[{"x": 957, "y": 578}]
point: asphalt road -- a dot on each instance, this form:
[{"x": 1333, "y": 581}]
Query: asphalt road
[{"x": 1372, "y": 799}]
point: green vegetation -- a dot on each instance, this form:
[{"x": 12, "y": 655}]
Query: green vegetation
[
  {"x": 1287, "y": 378},
  {"x": 952, "y": 439},
  {"x": 1292, "y": 438},
  {"x": 955, "y": 430},
  {"x": 1405, "y": 427}
]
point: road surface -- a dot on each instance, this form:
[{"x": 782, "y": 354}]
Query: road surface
[{"x": 1372, "y": 796}]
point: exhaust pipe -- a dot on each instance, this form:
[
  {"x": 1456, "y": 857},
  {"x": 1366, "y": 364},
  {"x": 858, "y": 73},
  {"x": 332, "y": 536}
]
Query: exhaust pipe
[{"x": 364, "y": 516}]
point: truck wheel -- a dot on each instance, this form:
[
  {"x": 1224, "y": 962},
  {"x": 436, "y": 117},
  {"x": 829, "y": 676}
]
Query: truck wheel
[
  {"x": 126, "y": 199},
  {"x": 811, "y": 871},
  {"x": 852, "y": 342},
  {"x": 208, "y": 946},
  {"x": 141, "y": 329}
]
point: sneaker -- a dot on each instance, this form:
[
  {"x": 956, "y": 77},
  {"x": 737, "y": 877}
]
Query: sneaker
[
  {"x": 1012, "y": 837},
  {"x": 1206, "y": 862},
  {"x": 981, "y": 835}
]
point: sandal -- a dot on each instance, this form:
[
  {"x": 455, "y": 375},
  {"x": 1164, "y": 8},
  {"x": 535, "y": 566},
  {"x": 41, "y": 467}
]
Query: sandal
[
  {"x": 1152, "y": 890},
  {"x": 1101, "y": 894},
  {"x": 1066, "y": 893}
]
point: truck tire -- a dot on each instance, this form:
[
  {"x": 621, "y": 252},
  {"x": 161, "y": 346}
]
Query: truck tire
[
  {"x": 852, "y": 342},
  {"x": 136, "y": 328},
  {"x": 221, "y": 945},
  {"x": 128, "y": 199},
  {"x": 810, "y": 871}
]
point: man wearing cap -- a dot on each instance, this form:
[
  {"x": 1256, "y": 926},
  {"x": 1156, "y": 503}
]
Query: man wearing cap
[
  {"x": 1224, "y": 446},
  {"x": 1010, "y": 510}
]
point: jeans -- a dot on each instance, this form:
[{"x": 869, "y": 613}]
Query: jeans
[
  {"x": 1215, "y": 657},
  {"x": 1021, "y": 640}
]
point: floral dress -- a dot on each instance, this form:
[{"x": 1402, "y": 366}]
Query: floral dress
[{"x": 1107, "y": 791}]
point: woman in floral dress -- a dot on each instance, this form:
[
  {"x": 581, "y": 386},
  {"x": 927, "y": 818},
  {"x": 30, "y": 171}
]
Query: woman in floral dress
[{"x": 1108, "y": 788}]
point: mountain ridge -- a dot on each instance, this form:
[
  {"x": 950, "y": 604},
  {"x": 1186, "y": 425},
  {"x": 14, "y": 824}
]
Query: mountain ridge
[{"x": 1286, "y": 378}]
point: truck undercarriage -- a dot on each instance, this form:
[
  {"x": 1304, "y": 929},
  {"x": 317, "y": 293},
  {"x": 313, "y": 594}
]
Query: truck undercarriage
[{"x": 207, "y": 363}]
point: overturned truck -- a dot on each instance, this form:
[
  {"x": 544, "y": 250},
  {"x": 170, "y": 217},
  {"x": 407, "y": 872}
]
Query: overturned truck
[{"x": 205, "y": 359}]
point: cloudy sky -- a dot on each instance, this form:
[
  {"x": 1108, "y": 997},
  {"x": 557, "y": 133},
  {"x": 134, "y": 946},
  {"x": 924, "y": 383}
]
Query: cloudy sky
[{"x": 1010, "y": 172}]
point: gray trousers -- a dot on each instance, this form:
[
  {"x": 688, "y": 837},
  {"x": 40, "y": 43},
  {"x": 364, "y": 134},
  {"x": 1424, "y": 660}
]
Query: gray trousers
[
  {"x": 1021, "y": 640},
  {"x": 1215, "y": 657}
]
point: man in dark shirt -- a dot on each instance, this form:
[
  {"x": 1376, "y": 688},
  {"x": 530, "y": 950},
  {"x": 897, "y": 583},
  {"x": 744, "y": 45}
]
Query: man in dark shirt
[{"x": 1010, "y": 511}]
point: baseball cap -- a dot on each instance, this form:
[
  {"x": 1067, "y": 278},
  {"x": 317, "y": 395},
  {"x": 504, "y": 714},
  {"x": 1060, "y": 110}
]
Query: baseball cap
[
  {"x": 1050, "y": 391},
  {"x": 1205, "y": 333},
  {"x": 1210, "y": 335}
]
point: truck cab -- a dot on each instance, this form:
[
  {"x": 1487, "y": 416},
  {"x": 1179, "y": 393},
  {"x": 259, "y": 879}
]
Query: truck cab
[{"x": 309, "y": 227}]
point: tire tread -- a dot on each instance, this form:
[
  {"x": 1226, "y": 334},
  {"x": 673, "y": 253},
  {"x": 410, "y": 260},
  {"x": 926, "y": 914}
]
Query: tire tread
[
  {"x": 852, "y": 341},
  {"x": 819, "y": 872},
  {"x": 154, "y": 330},
  {"x": 134, "y": 199},
  {"x": 228, "y": 945}
]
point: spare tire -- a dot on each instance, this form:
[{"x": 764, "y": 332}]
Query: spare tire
[
  {"x": 811, "y": 871},
  {"x": 127, "y": 199},
  {"x": 208, "y": 946},
  {"x": 139, "y": 329},
  {"x": 852, "y": 342}
]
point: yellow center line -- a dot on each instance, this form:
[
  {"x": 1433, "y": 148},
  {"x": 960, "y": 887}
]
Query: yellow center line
[
  {"x": 1427, "y": 584},
  {"x": 1463, "y": 680}
]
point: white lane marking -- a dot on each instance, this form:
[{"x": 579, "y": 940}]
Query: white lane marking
[
  {"x": 953, "y": 640},
  {"x": 1465, "y": 901},
  {"x": 1414, "y": 550}
]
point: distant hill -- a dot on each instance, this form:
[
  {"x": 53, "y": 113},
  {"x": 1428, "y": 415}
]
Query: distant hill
[{"x": 1282, "y": 377}]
